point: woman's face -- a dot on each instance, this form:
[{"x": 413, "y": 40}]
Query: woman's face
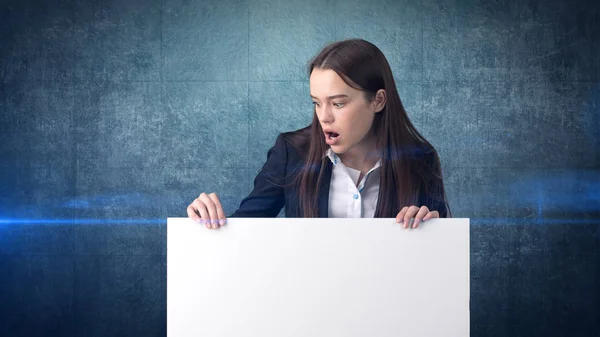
[{"x": 346, "y": 116}]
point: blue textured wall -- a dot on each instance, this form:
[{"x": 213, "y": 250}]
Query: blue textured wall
[{"x": 119, "y": 113}]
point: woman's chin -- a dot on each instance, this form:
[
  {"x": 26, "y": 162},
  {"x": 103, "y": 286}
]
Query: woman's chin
[{"x": 338, "y": 149}]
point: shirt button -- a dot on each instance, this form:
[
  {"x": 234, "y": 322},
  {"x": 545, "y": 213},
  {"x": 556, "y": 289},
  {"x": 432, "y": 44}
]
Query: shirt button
[{"x": 355, "y": 196}]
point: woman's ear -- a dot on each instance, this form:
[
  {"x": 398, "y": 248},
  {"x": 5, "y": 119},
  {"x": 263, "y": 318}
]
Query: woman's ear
[{"x": 379, "y": 100}]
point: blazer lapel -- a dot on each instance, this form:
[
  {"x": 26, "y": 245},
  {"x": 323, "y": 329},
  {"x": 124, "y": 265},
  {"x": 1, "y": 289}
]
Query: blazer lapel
[{"x": 323, "y": 199}]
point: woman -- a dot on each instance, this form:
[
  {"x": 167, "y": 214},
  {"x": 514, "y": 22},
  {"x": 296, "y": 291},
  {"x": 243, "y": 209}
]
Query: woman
[{"x": 360, "y": 157}]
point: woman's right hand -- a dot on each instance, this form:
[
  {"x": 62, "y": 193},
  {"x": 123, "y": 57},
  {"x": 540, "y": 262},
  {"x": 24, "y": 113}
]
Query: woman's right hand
[{"x": 207, "y": 209}]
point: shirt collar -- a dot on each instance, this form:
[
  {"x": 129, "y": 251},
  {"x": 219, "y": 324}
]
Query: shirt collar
[{"x": 332, "y": 156}]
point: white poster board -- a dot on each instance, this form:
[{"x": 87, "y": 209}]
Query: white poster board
[{"x": 294, "y": 277}]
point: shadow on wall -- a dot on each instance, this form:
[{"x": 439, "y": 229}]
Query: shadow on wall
[{"x": 592, "y": 118}]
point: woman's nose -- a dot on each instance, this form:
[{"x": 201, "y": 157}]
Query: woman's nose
[{"x": 325, "y": 114}]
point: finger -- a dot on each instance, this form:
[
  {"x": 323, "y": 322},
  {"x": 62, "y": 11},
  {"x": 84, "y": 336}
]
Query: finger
[
  {"x": 212, "y": 210},
  {"x": 201, "y": 208},
  {"x": 431, "y": 214},
  {"x": 192, "y": 213},
  {"x": 400, "y": 215},
  {"x": 422, "y": 212},
  {"x": 412, "y": 211},
  {"x": 220, "y": 212}
]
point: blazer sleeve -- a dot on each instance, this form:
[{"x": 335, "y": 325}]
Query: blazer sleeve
[
  {"x": 267, "y": 198},
  {"x": 433, "y": 194}
]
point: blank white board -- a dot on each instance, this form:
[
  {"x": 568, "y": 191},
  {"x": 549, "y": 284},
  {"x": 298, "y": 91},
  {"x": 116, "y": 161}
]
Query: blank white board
[{"x": 317, "y": 277}]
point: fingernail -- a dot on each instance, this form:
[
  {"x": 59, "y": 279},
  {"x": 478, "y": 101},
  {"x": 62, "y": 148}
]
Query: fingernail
[
  {"x": 202, "y": 221},
  {"x": 222, "y": 222},
  {"x": 197, "y": 220}
]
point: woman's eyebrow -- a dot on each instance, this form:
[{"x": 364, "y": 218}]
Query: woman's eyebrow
[{"x": 332, "y": 97}]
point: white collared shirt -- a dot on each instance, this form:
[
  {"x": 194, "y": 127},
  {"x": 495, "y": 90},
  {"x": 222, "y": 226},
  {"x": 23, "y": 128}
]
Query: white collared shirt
[{"x": 346, "y": 199}]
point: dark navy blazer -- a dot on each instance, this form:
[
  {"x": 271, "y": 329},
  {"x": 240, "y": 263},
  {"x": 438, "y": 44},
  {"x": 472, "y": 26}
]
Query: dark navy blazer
[{"x": 272, "y": 190}]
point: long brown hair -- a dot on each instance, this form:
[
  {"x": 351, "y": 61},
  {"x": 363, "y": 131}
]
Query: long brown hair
[{"x": 403, "y": 171}]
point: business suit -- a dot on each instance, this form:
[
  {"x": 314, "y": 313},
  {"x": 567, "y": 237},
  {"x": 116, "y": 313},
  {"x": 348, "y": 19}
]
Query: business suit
[{"x": 272, "y": 189}]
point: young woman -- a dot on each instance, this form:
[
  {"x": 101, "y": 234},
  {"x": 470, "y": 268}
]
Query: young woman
[{"x": 360, "y": 157}]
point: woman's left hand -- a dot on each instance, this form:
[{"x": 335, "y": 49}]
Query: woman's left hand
[{"x": 420, "y": 214}]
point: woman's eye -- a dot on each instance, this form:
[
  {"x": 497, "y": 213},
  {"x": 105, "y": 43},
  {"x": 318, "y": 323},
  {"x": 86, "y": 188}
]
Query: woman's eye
[
  {"x": 338, "y": 105},
  {"x": 315, "y": 103}
]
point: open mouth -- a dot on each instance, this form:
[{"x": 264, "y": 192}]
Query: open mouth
[
  {"x": 332, "y": 135},
  {"x": 331, "y": 138}
]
